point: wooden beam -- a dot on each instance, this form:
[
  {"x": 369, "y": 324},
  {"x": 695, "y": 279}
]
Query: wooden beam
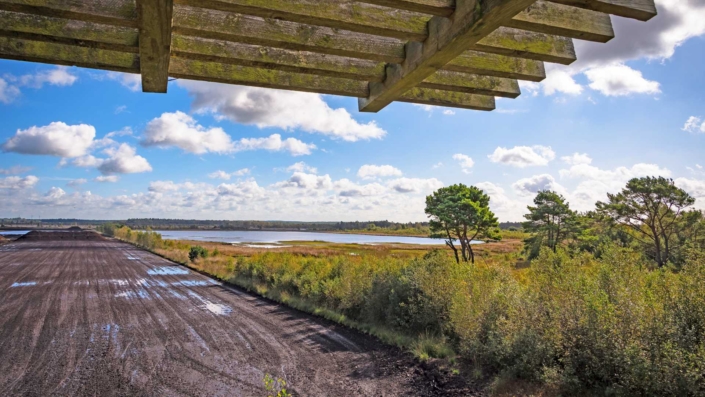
[
  {"x": 578, "y": 23},
  {"x": 68, "y": 31},
  {"x": 155, "y": 43},
  {"x": 110, "y": 12},
  {"x": 61, "y": 54},
  {"x": 472, "y": 84},
  {"x": 448, "y": 39},
  {"x": 441, "y": 8},
  {"x": 642, "y": 10},
  {"x": 522, "y": 44},
  {"x": 221, "y": 25},
  {"x": 341, "y": 14},
  {"x": 243, "y": 75},
  {"x": 425, "y": 96},
  {"x": 197, "y": 48},
  {"x": 498, "y": 66}
]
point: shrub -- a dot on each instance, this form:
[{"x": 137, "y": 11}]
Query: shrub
[{"x": 196, "y": 252}]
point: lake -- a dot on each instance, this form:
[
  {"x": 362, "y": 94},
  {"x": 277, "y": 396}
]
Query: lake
[{"x": 252, "y": 236}]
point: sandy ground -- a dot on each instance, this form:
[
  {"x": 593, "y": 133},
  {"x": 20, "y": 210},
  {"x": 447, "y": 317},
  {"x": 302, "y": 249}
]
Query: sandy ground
[{"x": 101, "y": 318}]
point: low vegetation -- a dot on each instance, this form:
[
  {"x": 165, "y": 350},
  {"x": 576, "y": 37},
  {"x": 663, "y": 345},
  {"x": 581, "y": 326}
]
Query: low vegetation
[{"x": 600, "y": 310}]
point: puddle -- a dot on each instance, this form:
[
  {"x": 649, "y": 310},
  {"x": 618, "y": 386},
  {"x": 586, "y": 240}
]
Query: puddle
[
  {"x": 219, "y": 309},
  {"x": 195, "y": 283},
  {"x": 24, "y": 284},
  {"x": 167, "y": 271}
]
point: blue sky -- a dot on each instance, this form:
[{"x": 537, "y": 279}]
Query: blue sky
[{"x": 85, "y": 143}]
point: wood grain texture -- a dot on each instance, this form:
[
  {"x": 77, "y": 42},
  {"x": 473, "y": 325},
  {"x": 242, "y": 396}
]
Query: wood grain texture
[
  {"x": 111, "y": 12},
  {"x": 530, "y": 45},
  {"x": 155, "y": 43},
  {"x": 578, "y": 23},
  {"x": 442, "y": 8},
  {"x": 642, "y": 10}
]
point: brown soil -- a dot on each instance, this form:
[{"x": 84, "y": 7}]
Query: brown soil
[
  {"x": 97, "y": 317},
  {"x": 58, "y": 235}
]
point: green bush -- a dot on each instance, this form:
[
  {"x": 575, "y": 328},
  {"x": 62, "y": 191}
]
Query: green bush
[{"x": 196, "y": 252}]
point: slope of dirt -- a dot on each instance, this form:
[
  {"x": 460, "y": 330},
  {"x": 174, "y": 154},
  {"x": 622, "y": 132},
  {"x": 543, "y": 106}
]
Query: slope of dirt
[
  {"x": 103, "y": 318},
  {"x": 58, "y": 235}
]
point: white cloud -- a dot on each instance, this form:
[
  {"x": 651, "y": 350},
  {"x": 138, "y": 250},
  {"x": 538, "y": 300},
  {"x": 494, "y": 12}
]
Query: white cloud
[
  {"x": 414, "y": 185},
  {"x": 281, "y": 109},
  {"x": 523, "y": 156},
  {"x": 123, "y": 160},
  {"x": 275, "y": 143},
  {"x": 437, "y": 165},
  {"x": 532, "y": 185},
  {"x": 87, "y": 161},
  {"x": 694, "y": 125},
  {"x": 370, "y": 171},
  {"x": 466, "y": 162},
  {"x": 620, "y": 80},
  {"x": 75, "y": 183},
  {"x": 16, "y": 182},
  {"x": 694, "y": 187},
  {"x": 504, "y": 207},
  {"x": 577, "y": 158},
  {"x": 55, "y": 139},
  {"x": 347, "y": 188},
  {"x": 558, "y": 80},
  {"x": 303, "y": 180},
  {"x": 107, "y": 178},
  {"x": 449, "y": 112},
  {"x": 120, "y": 109},
  {"x": 302, "y": 167},
  {"x": 8, "y": 92},
  {"x": 132, "y": 82},
  {"x": 14, "y": 170},
  {"x": 245, "y": 189},
  {"x": 59, "y": 76},
  {"x": 242, "y": 172},
  {"x": 181, "y": 130},
  {"x": 226, "y": 176}
]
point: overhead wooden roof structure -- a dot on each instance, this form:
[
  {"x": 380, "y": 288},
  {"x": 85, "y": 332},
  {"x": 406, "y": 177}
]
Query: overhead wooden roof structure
[{"x": 457, "y": 53}]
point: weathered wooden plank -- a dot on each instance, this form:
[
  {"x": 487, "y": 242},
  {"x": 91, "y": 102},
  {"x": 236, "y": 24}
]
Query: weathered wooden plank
[
  {"x": 529, "y": 45},
  {"x": 190, "y": 21},
  {"x": 442, "y": 8},
  {"x": 155, "y": 43},
  {"x": 61, "y": 54},
  {"x": 642, "y": 10},
  {"x": 276, "y": 58},
  {"x": 498, "y": 66},
  {"x": 426, "y": 96},
  {"x": 472, "y": 84},
  {"x": 110, "y": 12},
  {"x": 342, "y": 14},
  {"x": 578, "y": 23},
  {"x": 68, "y": 31},
  {"x": 448, "y": 38},
  {"x": 243, "y": 75},
  {"x": 331, "y": 65}
]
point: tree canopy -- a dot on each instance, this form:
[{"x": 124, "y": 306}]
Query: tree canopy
[
  {"x": 461, "y": 213},
  {"x": 653, "y": 208},
  {"x": 550, "y": 219}
]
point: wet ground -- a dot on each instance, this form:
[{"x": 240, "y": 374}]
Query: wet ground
[{"x": 101, "y": 318}]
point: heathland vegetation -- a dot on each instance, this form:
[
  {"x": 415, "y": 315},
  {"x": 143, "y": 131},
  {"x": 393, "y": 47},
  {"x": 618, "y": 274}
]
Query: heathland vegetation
[{"x": 610, "y": 302}]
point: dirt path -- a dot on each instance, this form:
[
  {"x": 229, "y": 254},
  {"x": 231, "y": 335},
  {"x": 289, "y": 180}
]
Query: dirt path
[{"x": 81, "y": 318}]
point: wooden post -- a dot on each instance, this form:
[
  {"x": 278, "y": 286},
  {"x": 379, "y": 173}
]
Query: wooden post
[{"x": 155, "y": 43}]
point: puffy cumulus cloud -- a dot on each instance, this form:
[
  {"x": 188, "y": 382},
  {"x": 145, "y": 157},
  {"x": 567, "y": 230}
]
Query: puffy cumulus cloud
[
  {"x": 505, "y": 208},
  {"x": 107, "y": 178},
  {"x": 414, "y": 185},
  {"x": 281, "y": 109},
  {"x": 59, "y": 76},
  {"x": 302, "y": 167},
  {"x": 15, "y": 170},
  {"x": 532, "y": 185},
  {"x": 577, "y": 158},
  {"x": 523, "y": 156},
  {"x": 595, "y": 182},
  {"x": 303, "y": 180},
  {"x": 132, "y": 82},
  {"x": 16, "y": 182},
  {"x": 694, "y": 125},
  {"x": 245, "y": 189},
  {"x": 560, "y": 81},
  {"x": 76, "y": 183},
  {"x": 275, "y": 143},
  {"x": 696, "y": 188},
  {"x": 8, "y": 92},
  {"x": 56, "y": 139},
  {"x": 180, "y": 130},
  {"x": 347, "y": 188},
  {"x": 620, "y": 80},
  {"x": 123, "y": 160},
  {"x": 226, "y": 176},
  {"x": 371, "y": 171},
  {"x": 465, "y": 161}
]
